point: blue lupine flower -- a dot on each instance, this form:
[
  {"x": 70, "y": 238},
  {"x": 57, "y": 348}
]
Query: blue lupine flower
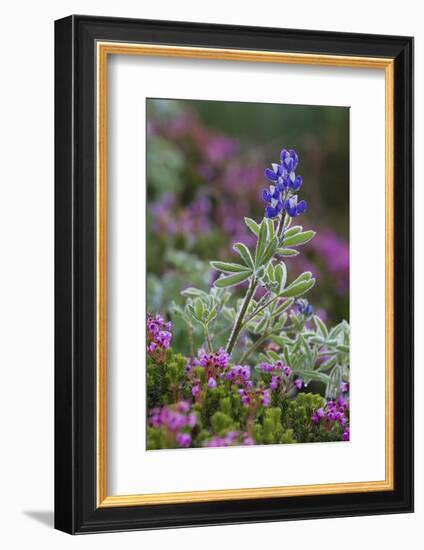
[
  {"x": 294, "y": 208},
  {"x": 296, "y": 183},
  {"x": 273, "y": 196},
  {"x": 283, "y": 181},
  {"x": 304, "y": 307},
  {"x": 289, "y": 159}
]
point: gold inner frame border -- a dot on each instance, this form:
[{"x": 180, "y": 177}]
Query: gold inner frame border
[{"x": 103, "y": 50}]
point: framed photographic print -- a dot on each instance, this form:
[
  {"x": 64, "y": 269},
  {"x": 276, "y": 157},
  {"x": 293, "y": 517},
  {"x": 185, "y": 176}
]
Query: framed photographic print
[{"x": 234, "y": 274}]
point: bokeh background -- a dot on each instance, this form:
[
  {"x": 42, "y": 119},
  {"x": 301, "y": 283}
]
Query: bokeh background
[{"x": 205, "y": 164}]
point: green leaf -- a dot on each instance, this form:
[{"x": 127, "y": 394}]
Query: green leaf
[
  {"x": 328, "y": 363},
  {"x": 270, "y": 228},
  {"x": 261, "y": 243},
  {"x": 252, "y": 225},
  {"x": 321, "y": 326},
  {"x": 191, "y": 291},
  {"x": 299, "y": 238},
  {"x": 286, "y": 354},
  {"x": 287, "y": 252},
  {"x": 232, "y": 280},
  {"x": 281, "y": 275},
  {"x": 261, "y": 324},
  {"x": 212, "y": 314},
  {"x": 270, "y": 272},
  {"x": 245, "y": 254},
  {"x": 293, "y": 231},
  {"x": 307, "y": 349},
  {"x": 269, "y": 251},
  {"x": 281, "y": 340},
  {"x": 343, "y": 348},
  {"x": 312, "y": 375},
  {"x": 305, "y": 276},
  {"x": 198, "y": 307},
  {"x": 228, "y": 267},
  {"x": 295, "y": 290}
]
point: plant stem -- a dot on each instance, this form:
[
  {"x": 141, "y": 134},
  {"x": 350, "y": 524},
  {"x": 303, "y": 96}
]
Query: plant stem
[
  {"x": 239, "y": 321},
  {"x": 190, "y": 338},
  {"x": 207, "y": 338}
]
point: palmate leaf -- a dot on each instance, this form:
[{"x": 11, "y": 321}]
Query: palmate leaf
[
  {"x": 232, "y": 280},
  {"x": 245, "y": 254},
  {"x": 228, "y": 267},
  {"x": 299, "y": 238}
]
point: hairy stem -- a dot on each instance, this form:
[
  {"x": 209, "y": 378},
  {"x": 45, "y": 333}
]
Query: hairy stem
[
  {"x": 239, "y": 321},
  {"x": 207, "y": 338}
]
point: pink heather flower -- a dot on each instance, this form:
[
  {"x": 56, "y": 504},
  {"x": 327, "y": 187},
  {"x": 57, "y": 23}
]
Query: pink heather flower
[
  {"x": 320, "y": 413},
  {"x": 266, "y": 367},
  {"x": 233, "y": 438},
  {"x": 298, "y": 383},
  {"x": 183, "y": 406},
  {"x": 346, "y": 434},
  {"x": 158, "y": 335},
  {"x": 191, "y": 420},
  {"x": 173, "y": 417},
  {"x": 211, "y": 383},
  {"x": 183, "y": 439},
  {"x": 266, "y": 398},
  {"x": 195, "y": 390},
  {"x": 287, "y": 371},
  {"x": 344, "y": 387},
  {"x": 342, "y": 403},
  {"x": 275, "y": 380},
  {"x": 176, "y": 421},
  {"x": 239, "y": 375}
]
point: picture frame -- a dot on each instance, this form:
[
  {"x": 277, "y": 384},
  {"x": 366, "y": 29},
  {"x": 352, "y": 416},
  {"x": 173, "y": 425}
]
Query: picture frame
[{"x": 83, "y": 45}]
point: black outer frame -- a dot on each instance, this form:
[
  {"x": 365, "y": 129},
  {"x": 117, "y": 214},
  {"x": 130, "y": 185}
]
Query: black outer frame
[{"x": 75, "y": 275}]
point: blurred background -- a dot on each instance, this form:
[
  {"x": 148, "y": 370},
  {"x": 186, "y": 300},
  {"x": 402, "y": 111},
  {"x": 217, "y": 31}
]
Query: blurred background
[{"x": 205, "y": 164}]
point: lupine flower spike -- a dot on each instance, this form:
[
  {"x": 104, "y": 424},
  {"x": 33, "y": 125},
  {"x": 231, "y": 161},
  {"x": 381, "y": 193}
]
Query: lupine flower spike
[{"x": 283, "y": 183}]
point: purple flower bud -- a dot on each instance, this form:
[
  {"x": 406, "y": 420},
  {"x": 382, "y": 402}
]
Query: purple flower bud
[
  {"x": 287, "y": 371},
  {"x": 211, "y": 383},
  {"x": 195, "y": 390},
  {"x": 320, "y": 413}
]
